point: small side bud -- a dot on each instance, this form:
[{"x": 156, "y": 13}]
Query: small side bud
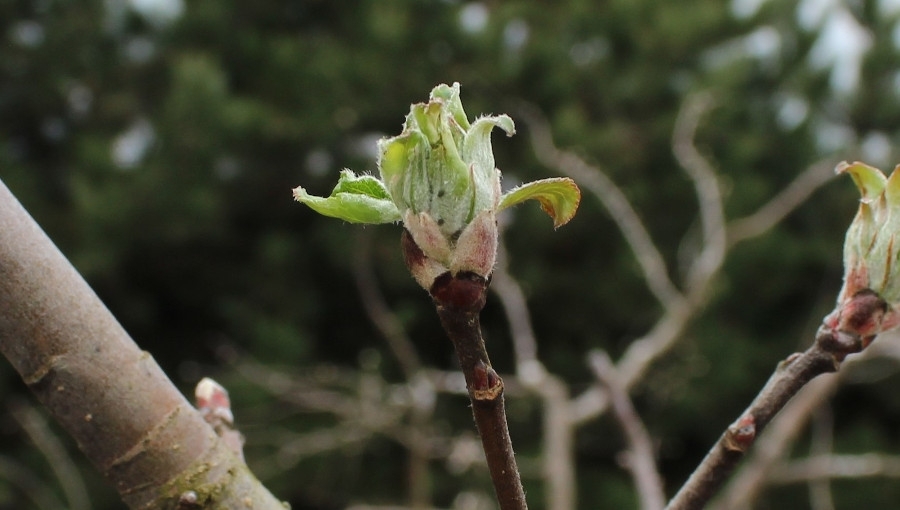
[
  {"x": 741, "y": 434},
  {"x": 213, "y": 402},
  {"x": 215, "y": 406},
  {"x": 486, "y": 384},
  {"x": 188, "y": 500}
]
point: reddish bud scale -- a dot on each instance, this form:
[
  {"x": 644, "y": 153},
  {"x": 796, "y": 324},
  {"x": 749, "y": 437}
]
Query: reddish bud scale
[
  {"x": 412, "y": 254},
  {"x": 465, "y": 292},
  {"x": 855, "y": 323},
  {"x": 863, "y": 314}
]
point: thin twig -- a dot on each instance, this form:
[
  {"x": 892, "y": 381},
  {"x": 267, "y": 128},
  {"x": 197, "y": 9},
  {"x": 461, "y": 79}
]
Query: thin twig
[
  {"x": 486, "y": 392},
  {"x": 458, "y": 300},
  {"x": 775, "y": 443},
  {"x": 404, "y": 350},
  {"x": 678, "y": 309},
  {"x": 677, "y": 312},
  {"x": 558, "y": 445},
  {"x": 514, "y": 305},
  {"x": 825, "y": 355},
  {"x": 641, "y": 457},
  {"x": 706, "y": 184}
]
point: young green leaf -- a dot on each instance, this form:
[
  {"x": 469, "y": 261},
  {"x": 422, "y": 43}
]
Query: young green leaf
[
  {"x": 559, "y": 198},
  {"x": 355, "y": 198}
]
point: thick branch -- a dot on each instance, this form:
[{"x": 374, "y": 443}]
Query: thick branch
[{"x": 109, "y": 395}]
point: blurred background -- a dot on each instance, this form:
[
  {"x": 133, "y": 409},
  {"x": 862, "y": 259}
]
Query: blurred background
[{"x": 157, "y": 143}]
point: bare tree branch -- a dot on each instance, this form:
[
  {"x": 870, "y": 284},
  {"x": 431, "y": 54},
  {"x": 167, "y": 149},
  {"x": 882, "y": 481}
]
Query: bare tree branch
[
  {"x": 775, "y": 443},
  {"x": 517, "y": 316},
  {"x": 706, "y": 183},
  {"x": 825, "y": 355},
  {"x": 641, "y": 458},
  {"x": 405, "y": 351},
  {"x": 678, "y": 311},
  {"x": 558, "y": 448},
  {"x": 458, "y": 301},
  {"x": 679, "y": 308}
]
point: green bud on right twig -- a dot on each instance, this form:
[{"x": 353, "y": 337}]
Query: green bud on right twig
[{"x": 869, "y": 301}]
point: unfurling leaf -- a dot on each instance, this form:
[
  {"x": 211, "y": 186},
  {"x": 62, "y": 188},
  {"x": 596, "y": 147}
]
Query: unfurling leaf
[
  {"x": 559, "y": 198},
  {"x": 355, "y": 198}
]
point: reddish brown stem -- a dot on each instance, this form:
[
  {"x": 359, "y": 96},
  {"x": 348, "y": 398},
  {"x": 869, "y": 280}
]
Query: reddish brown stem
[
  {"x": 459, "y": 301},
  {"x": 109, "y": 395},
  {"x": 825, "y": 355}
]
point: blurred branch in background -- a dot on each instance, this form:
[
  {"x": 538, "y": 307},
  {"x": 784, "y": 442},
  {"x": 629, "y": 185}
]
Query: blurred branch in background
[
  {"x": 35, "y": 490},
  {"x": 822, "y": 443},
  {"x": 640, "y": 459},
  {"x": 61, "y": 464},
  {"x": 788, "y": 199}
]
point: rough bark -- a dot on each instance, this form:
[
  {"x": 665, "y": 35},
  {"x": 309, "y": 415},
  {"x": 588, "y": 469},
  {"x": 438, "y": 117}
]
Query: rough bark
[{"x": 108, "y": 394}]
